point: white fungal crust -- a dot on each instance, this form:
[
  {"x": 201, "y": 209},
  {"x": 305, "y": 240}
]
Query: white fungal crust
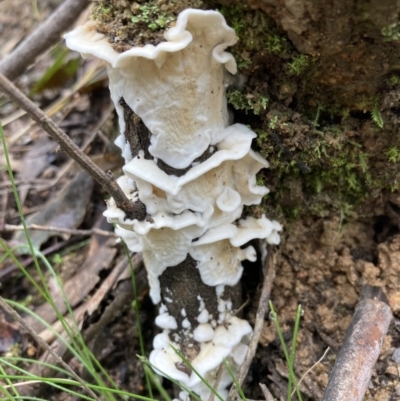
[
  {"x": 203, "y": 204},
  {"x": 228, "y": 341},
  {"x": 177, "y": 88}
]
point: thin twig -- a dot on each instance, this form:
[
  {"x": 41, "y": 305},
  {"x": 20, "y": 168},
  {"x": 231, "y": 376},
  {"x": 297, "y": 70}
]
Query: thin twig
[
  {"x": 361, "y": 347},
  {"x": 258, "y": 326},
  {"x": 6, "y": 271},
  {"x": 45, "y": 346},
  {"x": 267, "y": 394},
  {"x": 45, "y": 36},
  {"x": 61, "y": 230},
  {"x": 132, "y": 210},
  {"x": 310, "y": 369}
]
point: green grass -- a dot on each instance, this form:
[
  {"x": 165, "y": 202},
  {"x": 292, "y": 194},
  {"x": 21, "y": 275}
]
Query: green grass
[{"x": 289, "y": 356}]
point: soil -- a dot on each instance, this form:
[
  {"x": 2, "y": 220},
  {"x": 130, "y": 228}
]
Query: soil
[{"x": 334, "y": 181}]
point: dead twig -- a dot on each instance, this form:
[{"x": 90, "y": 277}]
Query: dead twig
[
  {"x": 45, "y": 36},
  {"x": 106, "y": 180},
  {"x": 269, "y": 275},
  {"x": 356, "y": 359},
  {"x": 267, "y": 394},
  {"x": 61, "y": 230},
  {"x": 45, "y": 346},
  {"x": 6, "y": 271},
  {"x": 310, "y": 369}
]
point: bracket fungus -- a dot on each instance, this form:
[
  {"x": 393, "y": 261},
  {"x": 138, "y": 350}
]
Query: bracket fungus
[{"x": 193, "y": 173}]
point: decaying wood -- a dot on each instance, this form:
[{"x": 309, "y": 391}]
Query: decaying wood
[
  {"x": 183, "y": 285},
  {"x": 45, "y": 36},
  {"x": 356, "y": 359}
]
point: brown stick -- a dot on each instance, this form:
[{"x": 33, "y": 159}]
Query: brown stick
[
  {"x": 356, "y": 359},
  {"x": 258, "y": 326},
  {"x": 61, "y": 230},
  {"x": 267, "y": 394},
  {"x": 45, "y": 36},
  {"x": 106, "y": 180}
]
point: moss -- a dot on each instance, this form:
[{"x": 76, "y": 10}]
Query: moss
[
  {"x": 393, "y": 154},
  {"x": 128, "y": 23},
  {"x": 393, "y": 80},
  {"x": 247, "y": 102},
  {"x": 298, "y": 64},
  {"x": 256, "y": 32},
  {"x": 391, "y": 32},
  {"x": 152, "y": 17},
  {"x": 376, "y": 116},
  {"x": 319, "y": 163},
  {"x": 341, "y": 172}
]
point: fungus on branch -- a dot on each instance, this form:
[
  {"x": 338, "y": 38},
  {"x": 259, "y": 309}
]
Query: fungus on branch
[{"x": 194, "y": 174}]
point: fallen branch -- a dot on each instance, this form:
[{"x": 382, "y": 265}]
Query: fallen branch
[
  {"x": 356, "y": 359},
  {"x": 61, "y": 230},
  {"x": 269, "y": 275},
  {"x": 106, "y": 180},
  {"x": 45, "y": 36}
]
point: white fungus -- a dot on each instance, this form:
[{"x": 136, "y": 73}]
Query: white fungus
[
  {"x": 166, "y": 321},
  {"x": 203, "y": 333},
  {"x": 178, "y": 89},
  {"x": 203, "y": 316},
  {"x": 185, "y": 323}
]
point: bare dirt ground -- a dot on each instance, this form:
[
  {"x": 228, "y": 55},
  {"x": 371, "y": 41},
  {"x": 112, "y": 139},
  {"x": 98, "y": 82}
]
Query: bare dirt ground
[{"x": 321, "y": 264}]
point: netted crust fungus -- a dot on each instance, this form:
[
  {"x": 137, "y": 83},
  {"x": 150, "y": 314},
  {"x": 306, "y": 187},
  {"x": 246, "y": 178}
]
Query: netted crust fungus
[{"x": 194, "y": 174}]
